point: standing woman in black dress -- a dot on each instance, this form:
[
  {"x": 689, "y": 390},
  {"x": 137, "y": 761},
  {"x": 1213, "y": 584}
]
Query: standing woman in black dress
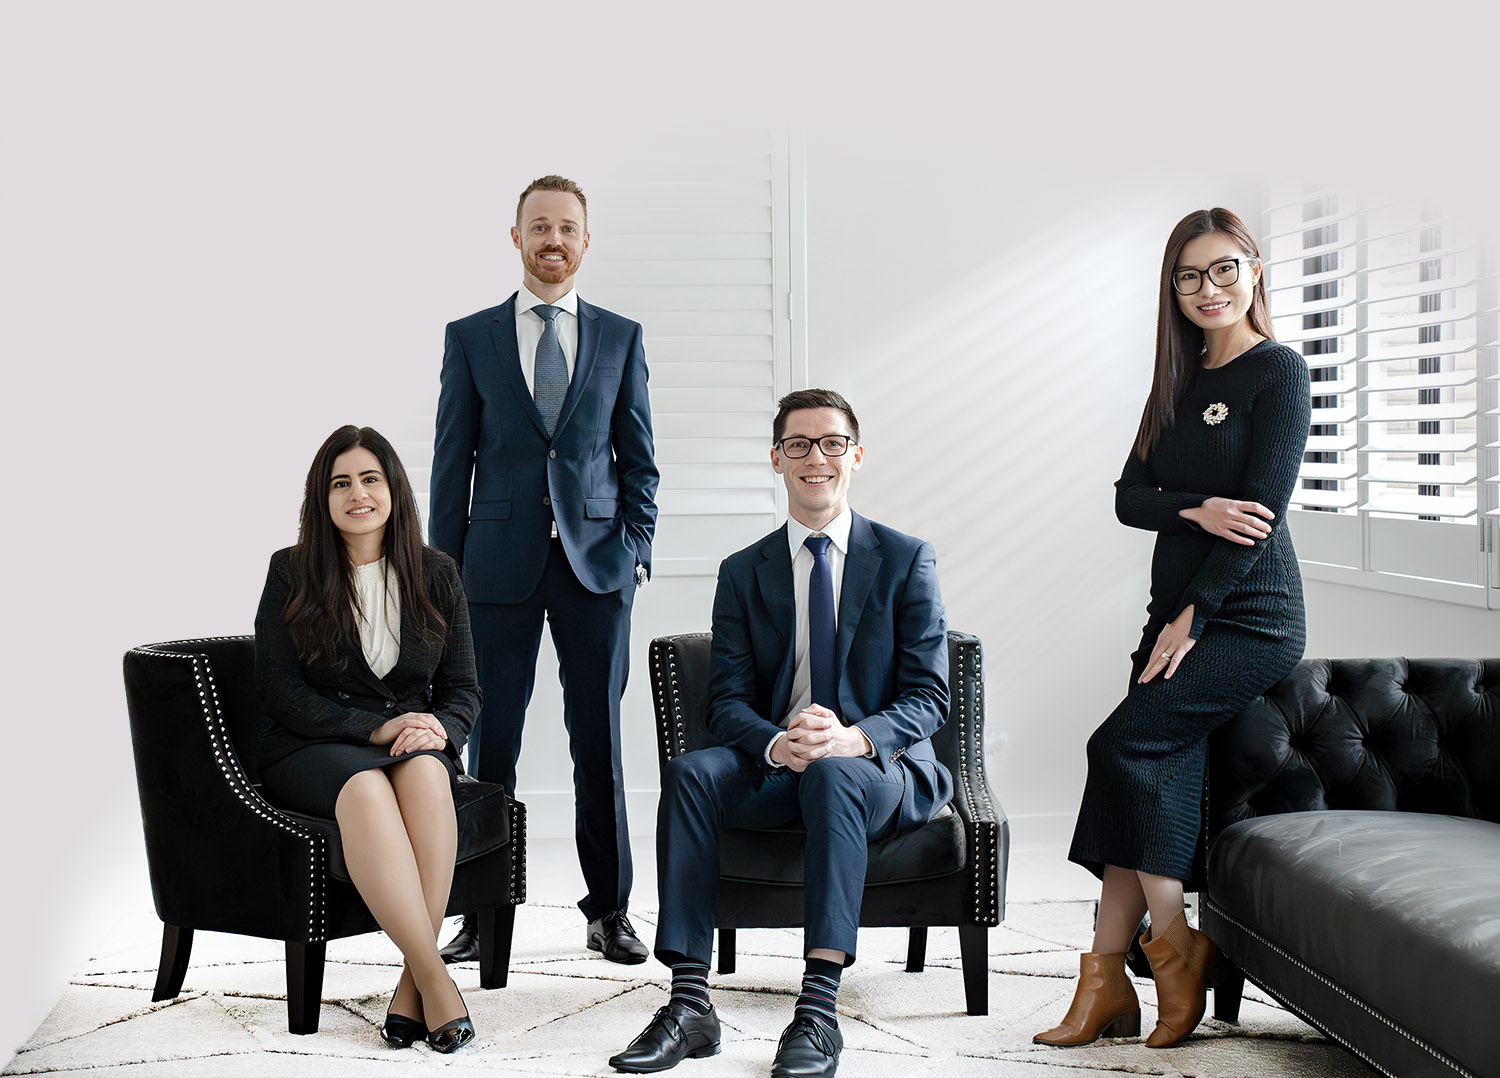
[
  {"x": 365, "y": 666},
  {"x": 1211, "y": 472}
]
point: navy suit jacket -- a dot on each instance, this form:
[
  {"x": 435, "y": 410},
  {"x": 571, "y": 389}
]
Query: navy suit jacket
[
  {"x": 596, "y": 475},
  {"x": 892, "y": 654}
]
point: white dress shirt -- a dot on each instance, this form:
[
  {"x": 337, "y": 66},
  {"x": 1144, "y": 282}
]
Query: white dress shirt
[
  {"x": 529, "y": 328},
  {"x": 837, "y": 531},
  {"x": 378, "y": 615}
]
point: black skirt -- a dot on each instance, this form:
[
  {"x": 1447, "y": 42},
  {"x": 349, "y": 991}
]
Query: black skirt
[{"x": 310, "y": 779}]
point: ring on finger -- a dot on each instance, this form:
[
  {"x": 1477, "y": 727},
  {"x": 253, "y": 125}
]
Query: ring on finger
[{"x": 1166, "y": 656}]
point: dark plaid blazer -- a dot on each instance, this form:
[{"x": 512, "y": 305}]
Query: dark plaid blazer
[{"x": 343, "y": 700}]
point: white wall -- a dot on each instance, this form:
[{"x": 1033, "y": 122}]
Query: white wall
[
  {"x": 995, "y": 337},
  {"x": 1349, "y": 622},
  {"x": 230, "y": 229}
]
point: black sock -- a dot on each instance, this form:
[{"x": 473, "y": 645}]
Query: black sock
[
  {"x": 820, "y": 992},
  {"x": 690, "y": 986}
]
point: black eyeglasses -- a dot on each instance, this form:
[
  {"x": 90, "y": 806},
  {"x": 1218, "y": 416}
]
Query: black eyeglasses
[
  {"x": 1189, "y": 281},
  {"x": 830, "y": 445}
]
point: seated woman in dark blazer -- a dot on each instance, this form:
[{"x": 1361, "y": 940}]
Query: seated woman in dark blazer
[{"x": 364, "y": 662}]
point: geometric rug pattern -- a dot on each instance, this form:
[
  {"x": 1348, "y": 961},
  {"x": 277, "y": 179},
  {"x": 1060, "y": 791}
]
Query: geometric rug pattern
[{"x": 566, "y": 1010}]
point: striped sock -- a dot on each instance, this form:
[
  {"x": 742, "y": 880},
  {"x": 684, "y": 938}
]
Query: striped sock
[
  {"x": 690, "y": 986},
  {"x": 820, "y": 992}
]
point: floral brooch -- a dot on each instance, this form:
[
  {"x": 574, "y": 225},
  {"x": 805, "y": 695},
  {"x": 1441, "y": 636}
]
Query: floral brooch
[{"x": 1215, "y": 414}]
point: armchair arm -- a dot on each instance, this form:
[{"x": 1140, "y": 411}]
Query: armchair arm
[
  {"x": 205, "y": 823},
  {"x": 959, "y": 744},
  {"x": 679, "y": 692}
]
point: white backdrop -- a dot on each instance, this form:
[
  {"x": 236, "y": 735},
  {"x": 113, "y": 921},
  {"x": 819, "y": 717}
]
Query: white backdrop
[{"x": 230, "y": 228}]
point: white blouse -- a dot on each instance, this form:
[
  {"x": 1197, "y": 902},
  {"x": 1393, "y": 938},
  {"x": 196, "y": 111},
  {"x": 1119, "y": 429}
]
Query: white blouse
[{"x": 378, "y": 614}]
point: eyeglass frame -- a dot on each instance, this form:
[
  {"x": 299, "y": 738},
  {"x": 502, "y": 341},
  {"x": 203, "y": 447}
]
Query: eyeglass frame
[
  {"x": 1208, "y": 269},
  {"x": 780, "y": 445}
]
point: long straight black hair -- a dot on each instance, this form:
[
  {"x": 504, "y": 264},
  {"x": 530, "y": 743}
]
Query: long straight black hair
[
  {"x": 1179, "y": 342},
  {"x": 319, "y": 611}
]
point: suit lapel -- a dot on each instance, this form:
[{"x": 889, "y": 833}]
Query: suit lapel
[
  {"x": 508, "y": 361},
  {"x": 583, "y": 363},
  {"x": 860, "y": 566},
  {"x": 773, "y": 578}
]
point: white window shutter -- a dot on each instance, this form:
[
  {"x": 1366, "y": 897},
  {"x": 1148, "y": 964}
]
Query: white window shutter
[{"x": 1385, "y": 303}]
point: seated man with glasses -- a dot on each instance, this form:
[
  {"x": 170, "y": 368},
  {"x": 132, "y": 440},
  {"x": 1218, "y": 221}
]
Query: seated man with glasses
[{"x": 829, "y": 673}]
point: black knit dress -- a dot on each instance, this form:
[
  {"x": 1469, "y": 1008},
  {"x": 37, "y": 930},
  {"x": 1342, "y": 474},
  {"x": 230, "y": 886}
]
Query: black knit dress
[{"x": 1239, "y": 432}]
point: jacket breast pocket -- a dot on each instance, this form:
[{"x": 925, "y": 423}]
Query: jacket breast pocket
[
  {"x": 490, "y": 511},
  {"x": 601, "y": 508}
]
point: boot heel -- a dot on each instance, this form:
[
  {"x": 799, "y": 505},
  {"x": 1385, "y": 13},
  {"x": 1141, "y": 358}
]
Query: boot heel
[{"x": 1126, "y": 1025}]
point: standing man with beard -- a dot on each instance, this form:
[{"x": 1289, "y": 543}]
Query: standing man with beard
[{"x": 543, "y": 486}]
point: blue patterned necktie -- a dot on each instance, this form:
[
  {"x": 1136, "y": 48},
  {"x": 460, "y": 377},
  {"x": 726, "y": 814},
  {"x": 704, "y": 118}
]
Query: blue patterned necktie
[
  {"x": 550, "y": 374},
  {"x": 821, "y": 627}
]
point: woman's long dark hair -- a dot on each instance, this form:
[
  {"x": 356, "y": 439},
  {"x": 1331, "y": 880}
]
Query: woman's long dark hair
[
  {"x": 1179, "y": 343},
  {"x": 319, "y": 610}
]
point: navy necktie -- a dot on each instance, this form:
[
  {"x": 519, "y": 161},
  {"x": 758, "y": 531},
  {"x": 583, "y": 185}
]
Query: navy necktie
[
  {"x": 550, "y": 374},
  {"x": 821, "y": 624}
]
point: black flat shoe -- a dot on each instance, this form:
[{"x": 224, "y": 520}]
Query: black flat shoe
[
  {"x": 400, "y": 1031},
  {"x": 808, "y": 1049},
  {"x": 614, "y": 937},
  {"x": 674, "y": 1034},
  {"x": 464, "y": 946}
]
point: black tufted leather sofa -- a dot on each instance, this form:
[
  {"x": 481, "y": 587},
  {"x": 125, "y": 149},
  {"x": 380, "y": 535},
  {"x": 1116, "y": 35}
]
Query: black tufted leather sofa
[
  {"x": 1353, "y": 859},
  {"x": 223, "y": 859},
  {"x": 949, "y": 871}
]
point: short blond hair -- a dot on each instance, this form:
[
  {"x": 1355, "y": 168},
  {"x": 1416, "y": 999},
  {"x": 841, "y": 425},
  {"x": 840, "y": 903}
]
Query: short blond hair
[{"x": 554, "y": 183}]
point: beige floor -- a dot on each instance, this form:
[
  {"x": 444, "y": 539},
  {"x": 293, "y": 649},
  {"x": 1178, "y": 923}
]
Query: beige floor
[{"x": 565, "y": 1011}]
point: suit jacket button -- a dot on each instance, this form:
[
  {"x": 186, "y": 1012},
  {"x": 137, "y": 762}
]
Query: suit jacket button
[
  {"x": 552, "y": 453},
  {"x": 546, "y": 501},
  {"x": 389, "y": 704}
]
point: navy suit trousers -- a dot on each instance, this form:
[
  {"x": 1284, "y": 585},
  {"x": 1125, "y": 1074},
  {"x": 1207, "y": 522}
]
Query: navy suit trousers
[
  {"x": 843, "y": 803},
  {"x": 591, "y": 633}
]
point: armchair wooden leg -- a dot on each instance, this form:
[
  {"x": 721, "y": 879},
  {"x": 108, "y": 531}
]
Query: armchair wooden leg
[
  {"x": 974, "y": 950},
  {"x": 916, "y": 950},
  {"x": 304, "y": 985},
  {"x": 176, "y": 946},
  {"x": 726, "y": 950},
  {"x": 496, "y": 927},
  {"x": 1227, "y": 996}
]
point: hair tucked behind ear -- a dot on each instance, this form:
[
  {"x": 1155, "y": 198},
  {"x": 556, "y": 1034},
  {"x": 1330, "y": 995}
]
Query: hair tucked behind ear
[{"x": 319, "y": 611}]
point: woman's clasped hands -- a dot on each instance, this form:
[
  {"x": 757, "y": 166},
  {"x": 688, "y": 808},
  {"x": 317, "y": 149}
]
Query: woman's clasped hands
[{"x": 411, "y": 732}]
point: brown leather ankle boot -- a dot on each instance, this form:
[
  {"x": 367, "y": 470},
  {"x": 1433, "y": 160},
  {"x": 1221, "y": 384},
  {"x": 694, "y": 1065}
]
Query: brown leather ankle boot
[
  {"x": 1104, "y": 1004},
  {"x": 1185, "y": 964}
]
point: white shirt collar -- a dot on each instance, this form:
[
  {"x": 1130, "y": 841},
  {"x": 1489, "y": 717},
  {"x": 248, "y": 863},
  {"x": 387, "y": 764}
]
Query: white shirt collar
[
  {"x": 525, "y": 300},
  {"x": 837, "y": 530}
]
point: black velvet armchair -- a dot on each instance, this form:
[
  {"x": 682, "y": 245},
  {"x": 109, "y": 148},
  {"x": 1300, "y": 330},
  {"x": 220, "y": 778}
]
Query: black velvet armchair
[
  {"x": 223, "y": 859},
  {"x": 950, "y": 871}
]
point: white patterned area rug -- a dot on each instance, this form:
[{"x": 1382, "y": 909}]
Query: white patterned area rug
[{"x": 566, "y": 1011}]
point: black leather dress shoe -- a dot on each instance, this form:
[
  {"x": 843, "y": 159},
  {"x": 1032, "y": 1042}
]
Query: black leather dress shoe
[
  {"x": 674, "y": 1034},
  {"x": 808, "y": 1049},
  {"x": 464, "y": 947},
  {"x": 613, "y": 936}
]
